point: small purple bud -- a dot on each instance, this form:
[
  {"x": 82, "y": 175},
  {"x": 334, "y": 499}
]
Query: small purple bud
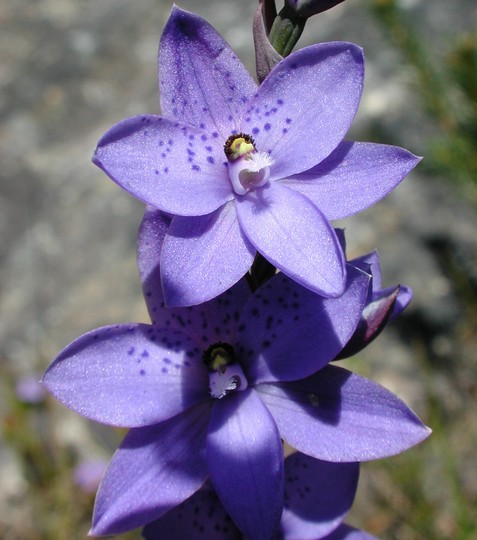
[
  {"x": 307, "y": 8},
  {"x": 30, "y": 390},
  {"x": 88, "y": 474}
]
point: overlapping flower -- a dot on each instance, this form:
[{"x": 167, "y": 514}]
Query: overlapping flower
[
  {"x": 317, "y": 496},
  {"x": 211, "y": 390},
  {"x": 245, "y": 169}
]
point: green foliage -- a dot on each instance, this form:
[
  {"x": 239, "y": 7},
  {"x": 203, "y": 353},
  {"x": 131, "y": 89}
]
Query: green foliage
[{"x": 448, "y": 89}]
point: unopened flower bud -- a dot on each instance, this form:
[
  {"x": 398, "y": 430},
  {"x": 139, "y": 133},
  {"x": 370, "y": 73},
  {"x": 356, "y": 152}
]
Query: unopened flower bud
[{"x": 307, "y": 8}]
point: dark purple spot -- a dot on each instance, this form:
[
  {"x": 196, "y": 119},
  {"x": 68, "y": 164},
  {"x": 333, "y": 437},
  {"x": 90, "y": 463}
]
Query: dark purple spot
[
  {"x": 195, "y": 168},
  {"x": 288, "y": 120},
  {"x": 202, "y": 125},
  {"x": 145, "y": 354},
  {"x": 170, "y": 142},
  {"x": 161, "y": 143},
  {"x": 294, "y": 65},
  {"x": 284, "y": 130},
  {"x": 166, "y": 169},
  {"x": 210, "y": 159},
  {"x": 142, "y": 372},
  {"x": 208, "y": 148},
  {"x": 279, "y": 101},
  {"x": 131, "y": 351},
  {"x": 255, "y": 130},
  {"x": 215, "y": 135},
  {"x": 156, "y": 171},
  {"x": 267, "y": 127},
  {"x": 203, "y": 137},
  {"x": 190, "y": 152}
]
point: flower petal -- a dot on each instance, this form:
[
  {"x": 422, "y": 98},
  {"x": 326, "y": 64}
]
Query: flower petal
[
  {"x": 245, "y": 458},
  {"x": 206, "y": 323},
  {"x": 345, "y": 532},
  {"x": 374, "y": 319},
  {"x": 402, "y": 301},
  {"x": 304, "y": 108},
  {"x": 155, "y": 469},
  {"x": 129, "y": 375},
  {"x": 364, "y": 172},
  {"x": 201, "y": 80},
  {"x": 289, "y": 231},
  {"x": 200, "y": 516},
  {"x": 171, "y": 166},
  {"x": 286, "y": 332},
  {"x": 150, "y": 238},
  {"x": 204, "y": 256},
  {"x": 370, "y": 263},
  {"x": 318, "y": 494},
  {"x": 336, "y": 415}
]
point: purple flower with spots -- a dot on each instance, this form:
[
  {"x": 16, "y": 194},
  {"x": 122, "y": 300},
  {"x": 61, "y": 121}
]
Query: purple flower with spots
[
  {"x": 318, "y": 494},
  {"x": 245, "y": 169},
  {"x": 210, "y": 391}
]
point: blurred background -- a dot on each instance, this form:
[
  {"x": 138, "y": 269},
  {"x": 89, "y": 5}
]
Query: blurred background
[{"x": 70, "y": 69}]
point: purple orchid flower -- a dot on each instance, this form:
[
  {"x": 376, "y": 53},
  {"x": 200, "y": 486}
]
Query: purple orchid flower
[
  {"x": 318, "y": 494},
  {"x": 245, "y": 169},
  {"x": 209, "y": 392}
]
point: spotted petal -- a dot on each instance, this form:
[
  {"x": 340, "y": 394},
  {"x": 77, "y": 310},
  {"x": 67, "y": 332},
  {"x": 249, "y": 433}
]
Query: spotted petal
[
  {"x": 287, "y": 332},
  {"x": 129, "y": 375},
  {"x": 202, "y": 515},
  {"x": 201, "y": 80},
  {"x": 203, "y": 256},
  {"x": 245, "y": 458},
  {"x": 155, "y": 469},
  {"x": 305, "y": 106},
  {"x": 336, "y": 415},
  {"x": 318, "y": 494},
  {"x": 172, "y": 166},
  {"x": 365, "y": 172},
  {"x": 289, "y": 231},
  {"x": 206, "y": 323}
]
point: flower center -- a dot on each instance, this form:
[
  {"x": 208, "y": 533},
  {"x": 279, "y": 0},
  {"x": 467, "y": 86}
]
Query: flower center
[
  {"x": 248, "y": 169},
  {"x": 225, "y": 375}
]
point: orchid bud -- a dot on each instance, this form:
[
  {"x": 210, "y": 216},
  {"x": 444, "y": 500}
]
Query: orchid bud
[{"x": 307, "y": 8}]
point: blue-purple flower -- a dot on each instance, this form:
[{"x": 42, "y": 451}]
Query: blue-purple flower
[
  {"x": 318, "y": 494},
  {"x": 209, "y": 392},
  {"x": 245, "y": 169}
]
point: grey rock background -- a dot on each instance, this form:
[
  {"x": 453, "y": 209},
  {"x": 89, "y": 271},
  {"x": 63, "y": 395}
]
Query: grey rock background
[{"x": 70, "y": 69}]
